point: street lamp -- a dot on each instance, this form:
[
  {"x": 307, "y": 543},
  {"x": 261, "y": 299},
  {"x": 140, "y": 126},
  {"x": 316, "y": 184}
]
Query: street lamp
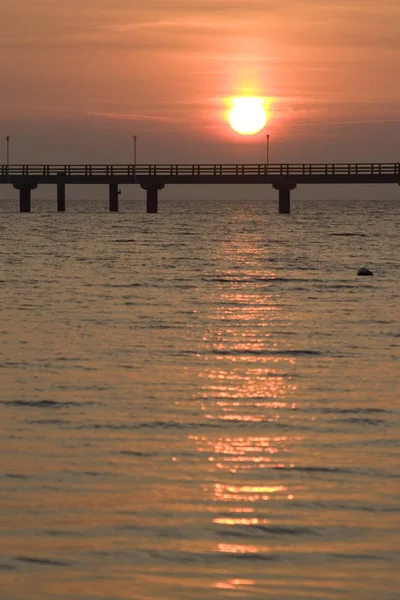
[
  {"x": 267, "y": 136},
  {"x": 134, "y": 157},
  {"x": 7, "y": 153}
]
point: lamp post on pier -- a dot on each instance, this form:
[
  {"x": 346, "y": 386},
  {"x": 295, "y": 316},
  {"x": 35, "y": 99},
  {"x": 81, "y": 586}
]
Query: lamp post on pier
[
  {"x": 267, "y": 136},
  {"x": 134, "y": 137},
  {"x": 7, "y": 153}
]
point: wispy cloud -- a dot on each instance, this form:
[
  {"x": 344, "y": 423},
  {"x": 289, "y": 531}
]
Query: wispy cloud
[
  {"x": 128, "y": 116},
  {"x": 356, "y": 122}
]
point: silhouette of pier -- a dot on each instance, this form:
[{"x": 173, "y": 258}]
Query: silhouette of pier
[{"x": 153, "y": 178}]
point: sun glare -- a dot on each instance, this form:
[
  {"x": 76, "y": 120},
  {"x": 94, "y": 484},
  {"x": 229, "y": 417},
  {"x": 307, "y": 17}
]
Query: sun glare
[{"x": 247, "y": 115}]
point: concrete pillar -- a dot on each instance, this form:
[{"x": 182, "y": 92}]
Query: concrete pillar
[
  {"x": 284, "y": 190},
  {"x": 25, "y": 190},
  {"x": 152, "y": 196},
  {"x": 25, "y": 199},
  {"x": 61, "y": 197},
  {"x": 113, "y": 195}
]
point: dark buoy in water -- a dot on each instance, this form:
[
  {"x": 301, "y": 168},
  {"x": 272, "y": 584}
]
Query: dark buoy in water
[{"x": 364, "y": 271}]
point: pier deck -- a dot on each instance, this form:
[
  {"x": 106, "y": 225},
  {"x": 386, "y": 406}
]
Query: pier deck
[{"x": 152, "y": 178}]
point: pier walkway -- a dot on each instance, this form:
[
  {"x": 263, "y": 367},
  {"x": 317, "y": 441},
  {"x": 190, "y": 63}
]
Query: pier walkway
[{"x": 153, "y": 178}]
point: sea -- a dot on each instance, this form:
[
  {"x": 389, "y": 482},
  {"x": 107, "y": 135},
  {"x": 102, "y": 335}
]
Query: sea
[{"x": 200, "y": 404}]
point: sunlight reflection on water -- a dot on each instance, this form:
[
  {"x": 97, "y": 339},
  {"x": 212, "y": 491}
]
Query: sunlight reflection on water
[{"x": 251, "y": 385}]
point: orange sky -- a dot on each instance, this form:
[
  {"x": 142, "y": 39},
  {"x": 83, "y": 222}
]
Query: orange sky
[{"x": 83, "y": 76}]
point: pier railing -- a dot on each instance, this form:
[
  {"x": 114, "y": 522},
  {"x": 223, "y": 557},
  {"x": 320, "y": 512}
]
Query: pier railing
[
  {"x": 153, "y": 178},
  {"x": 331, "y": 169}
]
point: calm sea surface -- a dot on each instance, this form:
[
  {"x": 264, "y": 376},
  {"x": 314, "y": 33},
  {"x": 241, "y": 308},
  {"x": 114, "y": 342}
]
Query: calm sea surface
[{"x": 200, "y": 404}]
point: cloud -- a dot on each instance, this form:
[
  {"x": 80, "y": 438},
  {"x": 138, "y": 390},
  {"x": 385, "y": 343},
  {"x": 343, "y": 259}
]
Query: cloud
[
  {"x": 124, "y": 116},
  {"x": 357, "y": 122}
]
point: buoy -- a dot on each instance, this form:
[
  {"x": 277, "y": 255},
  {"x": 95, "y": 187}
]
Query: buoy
[{"x": 364, "y": 271}]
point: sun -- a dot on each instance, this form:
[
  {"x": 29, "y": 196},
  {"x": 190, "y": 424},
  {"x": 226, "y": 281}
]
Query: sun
[{"x": 247, "y": 115}]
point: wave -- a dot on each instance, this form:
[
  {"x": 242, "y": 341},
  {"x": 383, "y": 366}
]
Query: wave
[
  {"x": 268, "y": 352},
  {"x": 152, "y": 425},
  {"x": 239, "y": 279},
  {"x": 349, "y": 234},
  {"x": 355, "y": 411},
  {"x": 40, "y": 403},
  {"x": 42, "y": 561}
]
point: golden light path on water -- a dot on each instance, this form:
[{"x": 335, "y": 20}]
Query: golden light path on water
[{"x": 250, "y": 388}]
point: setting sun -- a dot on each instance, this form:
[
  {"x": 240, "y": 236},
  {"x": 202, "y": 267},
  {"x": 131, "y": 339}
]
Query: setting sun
[{"x": 248, "y": 115}]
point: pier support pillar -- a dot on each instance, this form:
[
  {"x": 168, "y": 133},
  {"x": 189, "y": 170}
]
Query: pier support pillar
[
  {"x": 113, "y": 195},
  {"x": 152, "y": 196},
  {"x": 25, "y": 190},
  {"x": 60, "y": 197},
  {"x": 284, "y": 190}
]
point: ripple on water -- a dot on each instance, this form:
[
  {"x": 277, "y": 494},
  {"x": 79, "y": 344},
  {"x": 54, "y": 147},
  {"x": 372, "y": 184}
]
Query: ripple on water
[{"x": 35, "y": 560}]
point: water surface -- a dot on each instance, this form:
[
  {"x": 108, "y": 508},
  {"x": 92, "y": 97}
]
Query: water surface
[{"x": 201, "y": 403}]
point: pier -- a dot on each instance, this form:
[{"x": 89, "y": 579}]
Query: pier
[{"x": 153, "y": 178}]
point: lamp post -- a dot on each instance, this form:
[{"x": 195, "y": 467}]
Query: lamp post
[
  {"x": 267, "y": 136},
  {"x": 134, "y": 157},
  {"x": 7, "y": 153}
]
